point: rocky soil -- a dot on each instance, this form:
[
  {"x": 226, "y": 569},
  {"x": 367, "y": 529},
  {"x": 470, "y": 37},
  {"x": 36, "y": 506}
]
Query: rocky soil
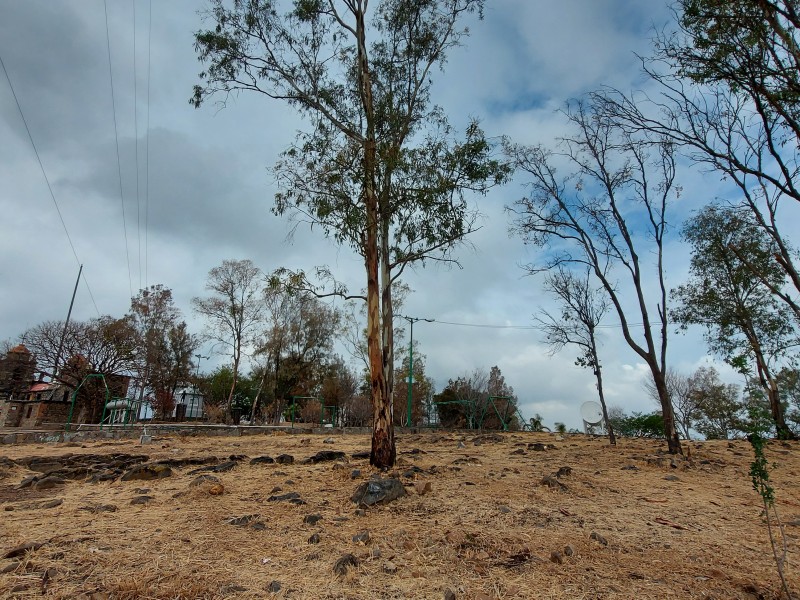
[{"x": 485, "y": 516}]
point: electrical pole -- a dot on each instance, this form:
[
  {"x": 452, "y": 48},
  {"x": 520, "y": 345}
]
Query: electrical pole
[
  {"x": 411, "y": 320},
  {"x": 66, "y": 324}
]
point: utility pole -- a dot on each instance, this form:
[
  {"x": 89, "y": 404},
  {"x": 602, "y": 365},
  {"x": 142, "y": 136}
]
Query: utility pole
[
  {"x": 66, "y": 324},
  {"x": 411, "y": 320}
]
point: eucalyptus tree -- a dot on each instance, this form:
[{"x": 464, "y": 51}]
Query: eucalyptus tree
[
  {"x": 233, "y": 311},
  {"x": 607, "y": 215},
  {"x": 381, "y": 169},
  {"x": 582, "y": 309},
  {"x": 744, "y": 323}
]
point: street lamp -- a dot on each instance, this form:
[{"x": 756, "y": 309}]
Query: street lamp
[{"x": 411, "y": 320}]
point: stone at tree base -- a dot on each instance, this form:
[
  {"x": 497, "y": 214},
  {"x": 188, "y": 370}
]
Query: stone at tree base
[{"x": 378, "y": 491}]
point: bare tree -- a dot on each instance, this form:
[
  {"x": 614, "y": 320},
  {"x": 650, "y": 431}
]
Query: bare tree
[
  {"x": 582, "y": 309},
  {"x": 234, "y": 310},
  {"x": 605, "y": 216}
]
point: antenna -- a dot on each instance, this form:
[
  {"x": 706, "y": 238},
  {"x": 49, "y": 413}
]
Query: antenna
[{"x": 592, "y": 416}]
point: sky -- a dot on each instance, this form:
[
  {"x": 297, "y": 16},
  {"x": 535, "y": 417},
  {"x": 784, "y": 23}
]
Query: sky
[{"x": 193, "y": 187}]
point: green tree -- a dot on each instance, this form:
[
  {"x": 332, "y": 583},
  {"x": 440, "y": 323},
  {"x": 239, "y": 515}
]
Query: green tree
[
  {"x": 743, "y": 321},
  {"x": 381, "y": 170},
  {"x": 582, "y": 309},
  {"x": 606, "y": 215}
]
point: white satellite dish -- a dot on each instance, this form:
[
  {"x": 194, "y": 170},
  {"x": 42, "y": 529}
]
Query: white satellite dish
[{"x": 592, "y": 415}]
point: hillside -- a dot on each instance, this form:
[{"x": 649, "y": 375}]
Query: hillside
[{"x": 625, "y": 522}]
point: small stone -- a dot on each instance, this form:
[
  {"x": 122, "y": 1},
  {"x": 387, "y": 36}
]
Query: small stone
[
  {"x": 355, "y": 474},
  {"x": 389, "y": 567},
  {"x": 242, "y": 521},
  {"x": 672, "y": 478},
  {"x": 284, "y": 459},
  {"x": 360, "y": 512},
  {"x": 141, "y": 499},
  {"x": 328, "y": 441},
  {"x": 460, "y": 445},
  {"x": 362, "y": 537},
  {"x": 504, "y": 509},
  {"x": 258, "y": 526},
  {"x": 552, "y": 482},
  {"x": 569, "y": 550},
  {"x": 346, "y": 561},
  {"x": 564, "y": 472},
  {"x": 376, "y": 552},
  {"x": 204, "y": 479},
  {"x": 147, "y": 472},
  {"x": 274, "y": 586},
  {"x": 292, "y": 497},
  {"x": 217, "y": 489},
  {"x": 599, "y": 538},
  {"x": 10, "y": 567},
  {"x": 262, "y": 460},
  {"x": 52, "y": 503},
  {"x": 314, "y": 539},
  {"x": 630, "y": 468},
  {"x": 449, "y": 594},
  {"x": 312, "y": 519},
  {"x": 557, "y": 557},
  {"x": 22, "y": 549},
  {"x": 422, "y": 487}
]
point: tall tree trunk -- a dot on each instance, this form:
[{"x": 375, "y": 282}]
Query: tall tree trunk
[
  {"x": 770, "y": 386},
  {"x": 673, "y": 439},
  {"x": 599, "y": 375}
]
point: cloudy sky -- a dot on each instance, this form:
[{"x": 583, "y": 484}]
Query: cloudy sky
[{"x": 204, "y": 189}]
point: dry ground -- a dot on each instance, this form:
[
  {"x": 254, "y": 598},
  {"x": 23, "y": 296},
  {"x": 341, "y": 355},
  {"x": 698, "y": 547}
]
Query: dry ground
[{"x": 486, "y": 528}]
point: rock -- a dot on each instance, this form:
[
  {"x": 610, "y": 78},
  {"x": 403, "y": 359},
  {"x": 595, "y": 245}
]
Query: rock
[
  {"x": 142, "y": 499},
  {"x": 518, "y": 451},
  {"x": 217, "y": 489},
  {"x": 355, "y": 474},
  {"x": 449, "y": 594},
  {"x": 99, "y": 508},
  {"x": 274, "y": 586},
  {"x": 504, "y": 509},
  {"x": 262, "y": 460},
  {"x": 389, "y": 567},
  {"x": 557, "y": 557},
  {"x": 537, "y": 447},
  {"x": 552, "y": 482},
  {"x": 598, "y": 538},
  {"x": 324, "y": 456},
  {"x": 314, "y": 539},
  {"x": 10, "y": 567},
  {"x": 422, "y": 487},
  {"x": 360, "y": 512},
  {"x": 52, "y": 503},
  {"x": 672, "y": 478},
  {"x": 378, "y": 491},
  {"x": 22, "y": 549},
  {"x": 460, "y": 445},
  {"x": 569, "y": 550},
  {"x": 630, "y": 468},
  {"x": 376, "y": 552},
  {"x": 292, "y": 497},
  {"x": 243, "y": 520},
  {"x": 362, "y": 537},
  {"x": 48, "y": 483},
  {"x": 258, "y": 526},
  {"x": 284, "y": 459},
  {"x": 147, "y": 472},
  {"x": 564, "y": 472},
  {"x": 220, "y": 468},
  {"x": 204, "y": 479},
  {"x": 305, "y": 442},
  {"x": 360, "y": 455},
  {"x": 328, "y": 441},
  {"x": 346, "y": 561},
  {"x": 312, "y": 519},
  {"x": 231, "y": 588}
]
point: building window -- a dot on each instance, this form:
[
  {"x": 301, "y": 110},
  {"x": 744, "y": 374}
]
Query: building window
[{"x": 30, "y": 410}]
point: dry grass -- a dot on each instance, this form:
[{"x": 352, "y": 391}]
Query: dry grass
[{"x": 486, "y": 529}]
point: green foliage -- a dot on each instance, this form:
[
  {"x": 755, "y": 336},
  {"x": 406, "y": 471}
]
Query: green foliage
[
  {"x": 637, "y": 424},
  {"x": 561, "y": 428}
]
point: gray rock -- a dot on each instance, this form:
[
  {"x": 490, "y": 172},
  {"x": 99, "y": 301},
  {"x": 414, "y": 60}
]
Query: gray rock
[
  {"x": 47, "y": 483},
  {"x": 147, "y": 472},
  {"x": 292, "y": 497},
  {"x": 314, "y": 539},
  {"x": 324, "y": 456},
  {"x": 274, "y": 586},
  {"x": 449, "y": 594},
  {"x": 22, "y": 549},
  {"x": 262, "y": 460},
  {"x": 141, "y": 499},
  {"x": 362, "y": 537},
  {"x": 598, "y": 538},
  {"x": 355, "y": 474},
  {"x": 284, "y": 459},
  {"x": 346, "y": 561},
  {"x": 378, "y": 491},
  {"x": 204, "y": 479},
  {"x": 312, "y": 519}
]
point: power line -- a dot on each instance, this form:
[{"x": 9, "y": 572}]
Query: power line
[
  {"x": 136, "y": 148},
  {"x": 147, "y": 146},
  {"x": 47, "y": 181},
  {"x": 524, "y": 327},
  {"x": 119, "y": 162}
]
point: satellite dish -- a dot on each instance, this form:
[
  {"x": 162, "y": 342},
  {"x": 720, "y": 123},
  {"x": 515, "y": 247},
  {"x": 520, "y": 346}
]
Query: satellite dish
[{"x": 592, "y": 415}]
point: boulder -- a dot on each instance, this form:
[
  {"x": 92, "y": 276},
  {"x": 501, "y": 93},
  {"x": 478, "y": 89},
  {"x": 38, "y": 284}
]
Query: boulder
[{"x": 378, "y": 491}]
